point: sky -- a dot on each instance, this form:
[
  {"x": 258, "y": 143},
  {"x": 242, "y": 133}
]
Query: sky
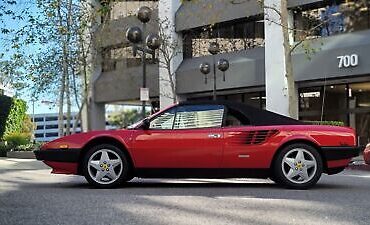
[{"x": 43, "y": 105}]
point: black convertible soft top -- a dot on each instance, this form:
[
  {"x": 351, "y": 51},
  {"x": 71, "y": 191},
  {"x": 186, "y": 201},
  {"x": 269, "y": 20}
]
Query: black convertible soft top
[{"x": 257, "y": 117}]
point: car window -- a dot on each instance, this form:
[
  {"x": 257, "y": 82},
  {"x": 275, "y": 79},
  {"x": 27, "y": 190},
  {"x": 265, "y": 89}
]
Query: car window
[
  {"x": 199, "y": 116},
  {"x": 232, "y": 121},
  {"x": 164, "y": 121},
  {"x": 234, "y": 118}
]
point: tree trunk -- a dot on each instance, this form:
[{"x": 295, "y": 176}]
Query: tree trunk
[
  {"x": 64, "y": 75},
  {"x": 78, "y": 118},
  {"x": 69, "y": 105},
  {"x": 292, "y": 94},
  {"x": 85, "y": 82},
  {"x": 67, "y": 56}
]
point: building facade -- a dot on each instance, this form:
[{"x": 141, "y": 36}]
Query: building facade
[
  {"x": 46, "y": 126},
  {"x": 331, "y": 64}
]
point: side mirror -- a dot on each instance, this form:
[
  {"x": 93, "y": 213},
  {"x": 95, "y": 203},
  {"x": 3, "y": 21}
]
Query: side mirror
[{"x": 146, "y": 124}]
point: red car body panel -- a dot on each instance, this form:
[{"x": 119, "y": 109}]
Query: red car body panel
[
  {"x": 243, "y": 147},
  {"x": 176, "y": 148},
  {"x": 63, "y": 167}
]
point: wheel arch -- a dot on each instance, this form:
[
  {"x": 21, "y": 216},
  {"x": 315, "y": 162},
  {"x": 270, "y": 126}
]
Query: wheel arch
[
  {"x": 300, "y": 141},
  {"x": 104, "y": 140}
]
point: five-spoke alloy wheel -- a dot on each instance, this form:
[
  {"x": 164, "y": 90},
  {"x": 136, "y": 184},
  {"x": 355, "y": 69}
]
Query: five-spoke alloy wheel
[
  {"x": 105, "y": 166},
  {"x": 298, "y": 166}
]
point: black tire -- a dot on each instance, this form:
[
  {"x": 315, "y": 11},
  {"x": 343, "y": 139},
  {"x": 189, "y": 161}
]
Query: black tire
[
  {"x": 124, "y": 176},
  {"x": 281, "y": 179}
]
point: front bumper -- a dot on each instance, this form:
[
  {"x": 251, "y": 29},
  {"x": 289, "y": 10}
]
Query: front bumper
[
  {"x": 58, "y": 155},
  {"x": 340, "y": 152}
]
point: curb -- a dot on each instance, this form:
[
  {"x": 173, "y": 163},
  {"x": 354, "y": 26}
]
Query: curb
[
  {"x": 21, "y": 155},
  {"x": 359, "y": 165}
]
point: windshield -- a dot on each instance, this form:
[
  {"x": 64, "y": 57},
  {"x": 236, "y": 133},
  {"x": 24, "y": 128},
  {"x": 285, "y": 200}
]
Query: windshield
[{"x": 137, "y": 124}]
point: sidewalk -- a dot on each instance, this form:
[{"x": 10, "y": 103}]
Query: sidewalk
[{"x": 21, "y": 164}]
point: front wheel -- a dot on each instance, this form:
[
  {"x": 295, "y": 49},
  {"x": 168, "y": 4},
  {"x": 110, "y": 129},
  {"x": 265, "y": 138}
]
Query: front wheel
[
  {"x": 298, "y": 166},
  {"x": 105, "y": 166}
]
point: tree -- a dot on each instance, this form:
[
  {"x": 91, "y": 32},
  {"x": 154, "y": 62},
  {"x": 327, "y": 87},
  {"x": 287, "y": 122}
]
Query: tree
[
  {"x": 59, "y": 36},
  {"x": 124, "y": 118},
  {"x": 168, "y": 51}
]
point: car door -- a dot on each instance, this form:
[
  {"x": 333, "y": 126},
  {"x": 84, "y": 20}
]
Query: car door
[
  {"x": 182, "y": 137},
  {"x": 245, "y": 145}
]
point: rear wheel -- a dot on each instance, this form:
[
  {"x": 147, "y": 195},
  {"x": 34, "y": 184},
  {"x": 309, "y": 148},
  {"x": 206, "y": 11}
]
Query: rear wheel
[
  {"x": 298, "y": 166},
  {"x": 105, "y": 166}
]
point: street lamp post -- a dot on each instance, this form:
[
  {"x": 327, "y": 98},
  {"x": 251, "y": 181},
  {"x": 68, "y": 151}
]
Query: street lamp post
[
  {"x": 222, "y": 65},
  {"x": 152, "y": 43}
]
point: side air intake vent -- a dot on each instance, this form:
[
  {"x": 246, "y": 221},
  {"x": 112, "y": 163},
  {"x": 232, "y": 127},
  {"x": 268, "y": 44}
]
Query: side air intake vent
[{"x": 259, "y": 136}]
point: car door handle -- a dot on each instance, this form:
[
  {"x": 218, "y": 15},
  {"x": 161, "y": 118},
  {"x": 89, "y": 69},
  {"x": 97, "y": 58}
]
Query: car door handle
[{"x": 214, "y": 135}]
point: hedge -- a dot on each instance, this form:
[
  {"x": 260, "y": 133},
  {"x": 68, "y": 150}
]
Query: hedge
[
  {"x": 331, "y": 123},
  {"x": 13, "y": 112}
]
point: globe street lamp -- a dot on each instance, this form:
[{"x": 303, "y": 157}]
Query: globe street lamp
[
  {"x": 222, "y": 64},
  {"x": 152, "y": 43}
]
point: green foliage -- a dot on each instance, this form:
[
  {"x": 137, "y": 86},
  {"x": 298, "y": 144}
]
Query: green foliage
[
  {"x": 17, "y": 139},
  {"x": 12, "y": 116},
  {"x": 330, "y": 123},
  {"x": 4, "y": 149},
  {"x": 27, "y": 147},
  {"x": 28, "y": 126},
  {"x": 5, "y": 105},
  {"x": 124, "y": 118}
]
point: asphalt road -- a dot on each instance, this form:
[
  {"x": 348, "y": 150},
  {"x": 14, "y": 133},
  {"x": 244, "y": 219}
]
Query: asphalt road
[{"x": 29, "y": 194}]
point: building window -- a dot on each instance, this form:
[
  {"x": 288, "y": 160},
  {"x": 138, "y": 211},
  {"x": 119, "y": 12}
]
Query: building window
[
  {"x": 332, "y": 18},
  {"x": 40, "y": 127},
  {"x": 327, "y": 103},
  {"x": 349, "y": 103},
  {"x": 39, "y": 135},
  {"x": 255, "y": 99},
  {"x": 51, "y": 135},
  {"x": 39, "y": 119},
  {"x": 108, "y": 61},
  {"x": 121, "y": 57},
  {"x": 359, "y": 110},
  {"x": 54, "y": 126},
  {"x": 124, "y": 8},
  {"x": 51, "y": 118},
  {"x": 231, "y": 36}
]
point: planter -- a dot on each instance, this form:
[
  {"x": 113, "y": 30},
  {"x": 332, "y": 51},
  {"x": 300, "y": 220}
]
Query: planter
[{"x": 21, "y": 155}]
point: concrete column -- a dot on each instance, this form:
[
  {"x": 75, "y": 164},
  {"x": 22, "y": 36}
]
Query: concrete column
[
  {"x": 167, "y": 10},
  {"x": 277, "y": 95},
  {"x": 93, "y": 115},
  {"x": 97, "y": 116}
]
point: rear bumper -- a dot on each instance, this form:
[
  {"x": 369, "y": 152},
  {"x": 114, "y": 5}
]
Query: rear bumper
[
  {"x": 58, "y": 155},
  {"x": 340, "y": 152}
]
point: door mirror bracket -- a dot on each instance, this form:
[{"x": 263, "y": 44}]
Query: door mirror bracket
[{"x": 146, "y": 124}]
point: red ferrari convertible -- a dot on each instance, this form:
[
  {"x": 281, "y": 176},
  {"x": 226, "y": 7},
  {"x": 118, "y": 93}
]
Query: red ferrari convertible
[{"x": 206, "y": 140}]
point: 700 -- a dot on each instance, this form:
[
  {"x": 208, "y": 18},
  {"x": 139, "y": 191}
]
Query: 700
[{"x": 347, "y": 61}]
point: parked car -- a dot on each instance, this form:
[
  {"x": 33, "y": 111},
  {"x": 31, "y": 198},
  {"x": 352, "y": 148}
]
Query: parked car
[
  {"x": 215, "y": 139},
  {"x": 367, "y": 154}
]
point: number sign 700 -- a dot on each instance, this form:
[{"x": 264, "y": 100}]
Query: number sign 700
[{"x": 347, "y": 61}]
